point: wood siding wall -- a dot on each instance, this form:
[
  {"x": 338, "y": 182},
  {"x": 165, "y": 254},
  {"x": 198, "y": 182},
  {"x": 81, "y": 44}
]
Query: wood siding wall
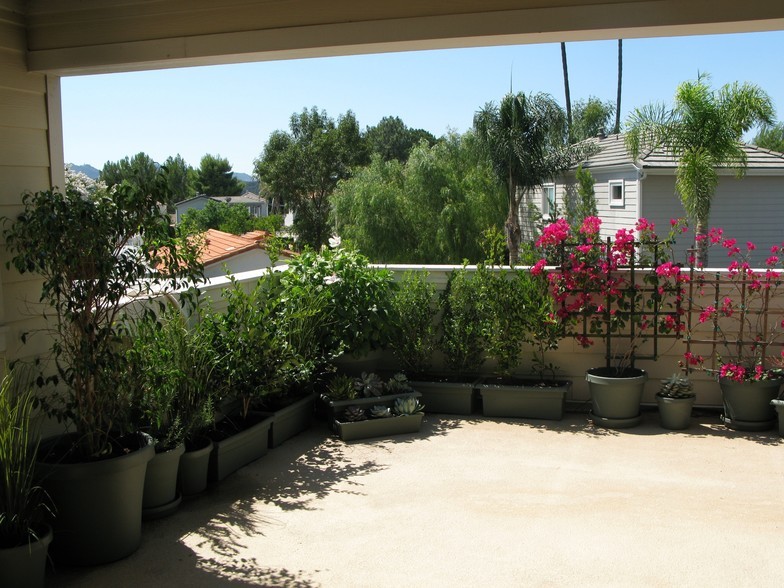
[
  {"x": 749, "y": 209},
  {"x": 24, "y": 165}
]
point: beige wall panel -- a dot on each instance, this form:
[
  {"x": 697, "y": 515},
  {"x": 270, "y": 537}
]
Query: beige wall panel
[
  {"x": 22, "y": 109},
  {"x": 13, "y": 73},
  {"x": 23, "y": 147},
  {"x": 12, "y": 33},
  {"x": 14, "y": 181}
]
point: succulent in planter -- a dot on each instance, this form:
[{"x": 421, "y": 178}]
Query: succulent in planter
[
  {"x": 354, "y": 414},
  {"x": 676, "y": 387},
  {"x": 380, "y": 412},
  {"x": 341, "y": 387},
  {"x": 407, "y": 405},
  {"x": 369, "y": 385},
  {"x": 398, "y": 384}
]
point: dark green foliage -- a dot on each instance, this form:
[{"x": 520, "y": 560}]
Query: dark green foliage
[
  {"x": 139, "y": 170},
  {"x": 590, "y": 118},
  {"x": 92, "y": 253},
  {"x": 462, "y": 339},
  {"x": 581, "y": 200},
  {"x": 180, "y": 178},
  {"x": 414, "y": 308},
  {"x": 302, "y": 167},
  {"x": 229, "y": 218},
  {"x": 431, "y": 209},
  {"x": 392, "y": 139},
  {"x": 771, "y": 137},
  {"x": 504, "y": 317},
  {"x": 214, "y": 177}
]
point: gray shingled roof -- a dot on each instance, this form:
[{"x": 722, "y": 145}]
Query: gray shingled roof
[
  {"x": 246, "y": 198},
  {"x": 613, "y": 153}
]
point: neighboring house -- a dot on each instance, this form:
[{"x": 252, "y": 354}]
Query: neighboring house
[
  {"x": 257, "y": 205},
  {"x": 235, "y": 253},
  {"x": 748, "y": 209}
]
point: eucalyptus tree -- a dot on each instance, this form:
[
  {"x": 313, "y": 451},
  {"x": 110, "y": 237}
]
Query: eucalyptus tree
[
  {"x": 525, "y": 138},
  {"x": 702, "y": 132}
]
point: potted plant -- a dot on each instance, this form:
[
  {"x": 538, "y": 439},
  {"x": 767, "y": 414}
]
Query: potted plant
[
  {"x": 528, "y": 313},
  {"x": 24, "y": 534},
  {"x": 622, "y": 290},
  {"x": 358, "y": 422},
  {"x": 365, "y": 391},
  {"x": 255, "y": 361},
  {"x": 169, "y": 369},
  {"x": 675, "y": 399},
  {"x": 95, "y": 252},
  {"x": 739, "y": 324}
]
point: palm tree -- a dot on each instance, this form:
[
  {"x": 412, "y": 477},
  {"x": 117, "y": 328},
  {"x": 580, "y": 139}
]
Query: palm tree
[
  {"x": 525, "y": 138},
  {"x": 565, "y": 66},
  {"x": 702, "y": 132}
]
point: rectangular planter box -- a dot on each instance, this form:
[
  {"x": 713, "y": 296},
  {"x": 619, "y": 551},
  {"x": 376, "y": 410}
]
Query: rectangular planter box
[
  {"x": 336, "y": 408},
  {"x": 446, "y": 397},
  {"x": 398, "y": 425},
  {"x": 230, "y": 454},
  {"x": 524, "y": 401},
  {"x": 290, "y": 420}
]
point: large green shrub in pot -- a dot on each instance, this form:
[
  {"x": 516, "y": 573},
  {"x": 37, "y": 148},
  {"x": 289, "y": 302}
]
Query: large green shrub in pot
[
  {"x": 170, "y": 365},
  {"x": 462, "y": 339},
  {"x": 358, "y": 299},
  {"x": 94, "y": 252},
  {"x": 414, "y": 337}
]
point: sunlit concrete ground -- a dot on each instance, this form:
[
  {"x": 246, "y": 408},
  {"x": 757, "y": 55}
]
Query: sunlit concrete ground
[{"x": 480, "y": 502}]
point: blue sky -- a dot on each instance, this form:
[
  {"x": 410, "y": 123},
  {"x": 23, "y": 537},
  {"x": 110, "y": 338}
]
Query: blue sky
[{"x": 231, "y": 110}]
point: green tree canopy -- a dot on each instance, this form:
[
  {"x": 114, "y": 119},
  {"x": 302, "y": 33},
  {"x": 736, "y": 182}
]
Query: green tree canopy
[
  {"x": 590, "y": 118},
  {"x": 525, "y": 140},
  {"x": 392, "y": 139},
  {"x": 139, "y": 170},
  {"x": 180, "y": 178},
  {"x": 771, "y": 137},
  {"x": 429, "y": 209},
  {"x": 703, "y": 132},
  {"x": 229, "y": 218},
  {"x": 302, "y": 167},
  {"x": 214, "y": 177}
]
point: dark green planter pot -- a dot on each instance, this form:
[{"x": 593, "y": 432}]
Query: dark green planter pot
[
  {"x": 615, "y": 401},
  {"x": 747, "y": 405},
  {"x": 230, "y": 454},
  {"x": 160, "y": 484},
  {"x": 194, "y": 467},
  {"x": 387, "y": 427},
  {"x": 523, "y": 400},
  {"x": 291, "y": 420},
  {"x": 675, "y": 413},
  {"x": 336, "y": 408},
  {"x": 98, "y": 506},
  {"x": 778, "y": 405},
  {"x": 446, "y": 397},
  {"x": 25, "y": 566}
]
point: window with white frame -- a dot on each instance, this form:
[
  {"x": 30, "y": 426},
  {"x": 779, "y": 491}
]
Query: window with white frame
[
  {"x": 548, "y": 199},
  {"x": 617, "y": 196}
]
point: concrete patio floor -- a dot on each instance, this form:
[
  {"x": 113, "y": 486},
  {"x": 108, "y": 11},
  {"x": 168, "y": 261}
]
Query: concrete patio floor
[{"x": 480, "y": 502}]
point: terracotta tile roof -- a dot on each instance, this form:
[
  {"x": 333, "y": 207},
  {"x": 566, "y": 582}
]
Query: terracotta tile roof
[{"x": 219, "y": 246}]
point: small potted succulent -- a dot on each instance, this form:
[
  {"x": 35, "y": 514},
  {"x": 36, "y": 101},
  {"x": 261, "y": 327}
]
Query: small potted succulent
[
  {"x": 360, "y": 422},
  {"x": 675, "y": 399},
  {"x": 364, "y": 391}
]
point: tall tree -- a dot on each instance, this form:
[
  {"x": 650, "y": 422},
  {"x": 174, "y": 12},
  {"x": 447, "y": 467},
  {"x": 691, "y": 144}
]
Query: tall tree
[
  {"x": 139, "y": 170},
  {"x": 590, "y": 118},
  {"x": 703, "y": 132},
  {"x": 180, "y": 177},
  {"x": 214, "y": 177},
  {"x": 566, "y": 89},
  {"x": 392, "y": 139},
  {"x": 617, "y": 128},
  {"x": 771, "y": 137},
  {"x": 302, "y": 167},
  {"x": 525, "y": 139}
]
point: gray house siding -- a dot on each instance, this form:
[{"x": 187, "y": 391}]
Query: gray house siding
[{"x": 749, "y": 209}]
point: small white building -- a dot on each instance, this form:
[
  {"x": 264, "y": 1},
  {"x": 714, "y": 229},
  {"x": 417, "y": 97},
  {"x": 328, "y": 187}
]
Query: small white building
[{"x": 748, "y": 209}]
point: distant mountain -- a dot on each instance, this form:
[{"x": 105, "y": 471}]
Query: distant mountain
[
  {"x": 86, "y": 169},
  {"x": 243, "y": 177}
]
